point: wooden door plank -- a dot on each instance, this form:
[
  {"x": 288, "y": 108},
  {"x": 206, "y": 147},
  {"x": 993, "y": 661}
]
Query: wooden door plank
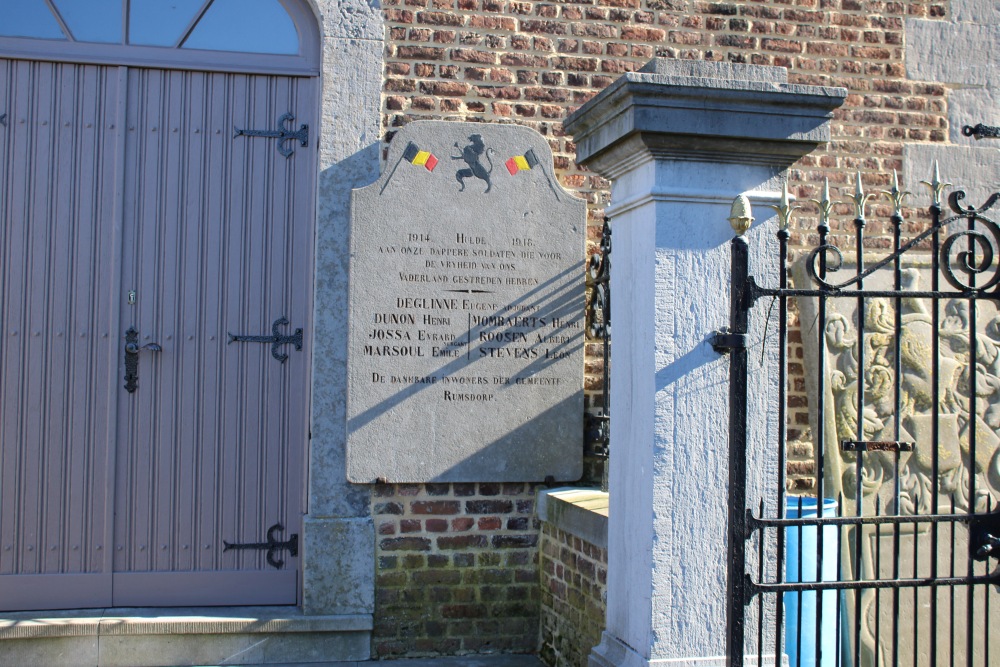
[
  {"x": 34, "y": 592},
  {"x": 205, "y": 589},
  {"x": 56, "y": 318}
]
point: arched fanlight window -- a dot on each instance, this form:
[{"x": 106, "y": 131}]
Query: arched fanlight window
[
  {"x": 249, "y": 26},
  {"x": 99, "y": 27}
]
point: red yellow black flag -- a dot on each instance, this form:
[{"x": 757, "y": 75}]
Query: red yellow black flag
[
  {"x": 527, "y": 162},
  {"x": 522, "y": 162},
  {"x": 424, "y": 159},
  {"x": 413, "y": 155}
]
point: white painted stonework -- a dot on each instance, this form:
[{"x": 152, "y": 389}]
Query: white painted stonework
[{"x": 680, "y": 141}]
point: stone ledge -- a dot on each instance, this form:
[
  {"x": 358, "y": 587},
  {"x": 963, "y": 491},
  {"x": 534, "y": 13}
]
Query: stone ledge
[
  {"x": 579, "y": 511},
  {"x": 682, "y": 110},
  {"x": 223, "y": 620}
]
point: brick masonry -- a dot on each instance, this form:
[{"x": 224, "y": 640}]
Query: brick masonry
[
  {"x": 455, "y": 559},
  {"x": 574, "y": 597},
  {"x": 457, "y": 569},
  {"x": 534, "y": 62},
  {"x": 801, "y": 468}
]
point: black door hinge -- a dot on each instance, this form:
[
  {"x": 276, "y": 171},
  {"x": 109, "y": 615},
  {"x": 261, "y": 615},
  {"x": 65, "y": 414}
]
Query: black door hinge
[{"x": 272, "y": 546}]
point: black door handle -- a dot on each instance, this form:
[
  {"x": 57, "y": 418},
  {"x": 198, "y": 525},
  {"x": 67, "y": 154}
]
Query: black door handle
[{"x": 132, "y": 349}]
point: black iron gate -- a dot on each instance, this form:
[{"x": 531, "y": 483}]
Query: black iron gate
[{"x": 893, "y": 561}]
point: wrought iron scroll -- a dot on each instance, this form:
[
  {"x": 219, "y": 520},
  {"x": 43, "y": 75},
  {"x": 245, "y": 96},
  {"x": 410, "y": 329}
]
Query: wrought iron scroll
[
  {"x": 281, "y": 134},
  {"x": 276, "y": 339},
  {"x": 972, "y": 257},
  {"x": 985, "y": 533},
  {"x": 980, "y": 131},
  {"x": 599, "y": 326},
  {"x": 272, "y": 546}
]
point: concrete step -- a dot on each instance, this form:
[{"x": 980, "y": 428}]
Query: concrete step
[
  {"x": 461, "y": 661},
  {"x": 181, "y": 637}
]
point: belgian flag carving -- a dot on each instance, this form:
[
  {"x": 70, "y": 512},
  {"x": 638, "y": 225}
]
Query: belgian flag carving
[
  {"x": 424, "y": 159},
  {"x": 522, "y": 162}
]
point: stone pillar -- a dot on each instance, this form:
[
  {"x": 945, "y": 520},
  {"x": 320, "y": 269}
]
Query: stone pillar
[
  {"x": 338, "y": 533},
  {"x": 679, "y": 140}
]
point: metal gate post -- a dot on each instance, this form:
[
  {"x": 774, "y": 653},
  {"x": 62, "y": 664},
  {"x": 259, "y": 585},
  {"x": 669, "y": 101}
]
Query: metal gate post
[
  {"x": 737, "y": 459},
  {"x": 734, "y": 342}
]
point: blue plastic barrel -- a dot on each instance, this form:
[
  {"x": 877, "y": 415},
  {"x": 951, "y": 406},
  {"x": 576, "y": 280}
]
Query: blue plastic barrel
[{"x": 801, "y": 555}]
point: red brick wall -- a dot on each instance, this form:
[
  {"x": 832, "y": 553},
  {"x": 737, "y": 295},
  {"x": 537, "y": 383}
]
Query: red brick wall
[
  {"x": 535, "y": 62},
  {"x": 574, "y": 597},
  {"x": 456, "y": 569},
  {"x": 453, "y": 560}
]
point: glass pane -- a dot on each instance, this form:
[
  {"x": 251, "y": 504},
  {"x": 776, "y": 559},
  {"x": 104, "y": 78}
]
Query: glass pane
[
  {"x": 257, "y": 26},
  {"x": 28, "y": 18},
  {"x": 160, "y": 22},
  {"x": 92, "y": 20}
]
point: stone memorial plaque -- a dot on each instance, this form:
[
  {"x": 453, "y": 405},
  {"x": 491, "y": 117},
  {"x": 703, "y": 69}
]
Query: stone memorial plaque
[{"x": 466, "y": 312}]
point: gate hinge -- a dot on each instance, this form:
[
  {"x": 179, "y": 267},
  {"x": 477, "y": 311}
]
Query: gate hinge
[
  {"x": 723, "y": 341},
  {"x": 751, "y": 293},
  {"x": 750, "y": 526},
  {"x": 750, "y": 589}
]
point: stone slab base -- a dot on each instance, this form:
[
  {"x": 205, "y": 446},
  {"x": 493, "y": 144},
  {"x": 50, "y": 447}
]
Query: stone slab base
[
  {"x": 179, "y": 637},
  {"x": 509, "y": 660},
  {"x": 612, "y": 652}
]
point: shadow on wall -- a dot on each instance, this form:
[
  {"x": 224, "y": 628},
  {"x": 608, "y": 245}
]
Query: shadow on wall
[
  {"x": 466, "y": 301},
  {"x": 329, "y": 492},
  {"x": 555, "y": 299},
  {"x": 494, "y": 335}
]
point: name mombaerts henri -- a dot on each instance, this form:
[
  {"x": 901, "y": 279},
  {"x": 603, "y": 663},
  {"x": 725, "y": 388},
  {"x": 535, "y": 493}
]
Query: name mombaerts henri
[{"x": 467, "y": 295}]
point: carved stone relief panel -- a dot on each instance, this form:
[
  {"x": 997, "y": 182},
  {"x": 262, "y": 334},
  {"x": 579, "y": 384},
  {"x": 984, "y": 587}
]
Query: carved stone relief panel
[{"x": 919, "y": 383}]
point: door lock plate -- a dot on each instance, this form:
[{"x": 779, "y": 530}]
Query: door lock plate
[{"x": 132, "y": 350}]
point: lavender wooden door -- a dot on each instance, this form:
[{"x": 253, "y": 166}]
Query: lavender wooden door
[
  {"x": 217, "y": 241},
  {"x": 129, "y": 203},
  {"x": 59, "y": 260}
]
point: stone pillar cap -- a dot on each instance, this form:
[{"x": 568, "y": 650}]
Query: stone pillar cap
[{"x": 717, "y": 112}]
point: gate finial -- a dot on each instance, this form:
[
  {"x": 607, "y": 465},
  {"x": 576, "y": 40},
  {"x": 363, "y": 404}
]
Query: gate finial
[
  {"x": 740, "y": 215},
  {"x": 896, "y": 195},
  {"x": 784, "y": 209},
  {"x": 936, "y": 186},
  {"x": 860, "y": 198},
  {"x": 824, "y": 204}
]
